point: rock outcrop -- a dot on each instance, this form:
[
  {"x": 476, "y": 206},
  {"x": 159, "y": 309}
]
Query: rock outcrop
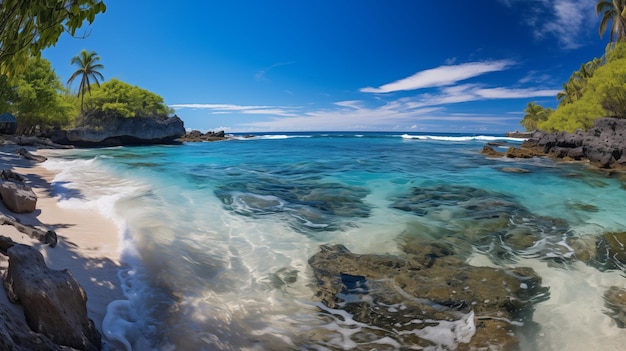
[
  {"x": 15, "y": 335},
  {"x": 124, "y": 131},
  {"x": 429, "y": 299},
  {"x": 198, "y": 136},
  {"x": 54, "y": 302},
  {"x": 16, "y": 195},
  {"x": 604, "y": 145}
]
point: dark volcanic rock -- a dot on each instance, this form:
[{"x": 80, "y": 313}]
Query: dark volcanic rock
[
  {"x": 429, "y": 298},
  {"x": 491, "y": 152},
  {"x": 604, "y": 145},
  {"x": 15, "y": 335},
  {"x": 54, "y": 303},
  {"x": 198, "y": 136},
  {"x": 125, "y": 131}
]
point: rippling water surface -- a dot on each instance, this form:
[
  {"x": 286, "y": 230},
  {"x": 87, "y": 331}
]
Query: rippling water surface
[{"x": 216, "y": 236}]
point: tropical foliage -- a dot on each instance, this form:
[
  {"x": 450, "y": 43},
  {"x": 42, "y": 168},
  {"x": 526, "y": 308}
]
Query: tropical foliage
[
  {"x": 533, "y": 115},
  {"x": 604, "y": 94},
  {"x": 115, "y": 99},
  {"x": 613, "y": 12},
  {"x": 88, "y": 68},
  {"x": 39, "y": 102},
  {"x": 27, "y": 27}
]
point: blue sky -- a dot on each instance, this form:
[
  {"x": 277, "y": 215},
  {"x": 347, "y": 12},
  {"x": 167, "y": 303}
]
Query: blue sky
[{"x": 343, "y": 65}]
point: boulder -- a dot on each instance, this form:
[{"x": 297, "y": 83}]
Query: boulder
[
  {"x": 17, "y": 197},
  {"x": 15, "y": 335},
  {"x": 124, "y": 131},
  {"x": 54, "y": 303},
  {"x": 491, "y": 152},
  {"x": 429, "y": 291}
]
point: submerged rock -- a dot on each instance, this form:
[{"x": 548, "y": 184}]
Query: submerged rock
[
  {"x": 491, "y": 222},
  {"x": 54, "y": 302},
  {"x": 615, "y": 301},
  {"x": 306, "y": 204},
  {"x": 429, "y": 298}
]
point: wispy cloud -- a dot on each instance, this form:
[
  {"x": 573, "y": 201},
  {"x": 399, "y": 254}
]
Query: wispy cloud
[
  {"x": 566, "y": 21},
  {"x": 441, "y": 76},
  {"x": 261, "y": 74},
  {"x": 245, "y": 109},
  {"x": 476, "y": 92}
]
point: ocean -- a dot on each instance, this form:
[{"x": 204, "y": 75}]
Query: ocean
[{"x": 215, "y": 237}]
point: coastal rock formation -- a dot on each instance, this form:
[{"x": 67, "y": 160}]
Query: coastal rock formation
[
  {"x": 27, "y": 155},
  {"x": 18, "y": 197},
  {"x": 15, "y": 335},
  {"x": 604, "y": 145},
  {"x": 54, "y": 302},
  {"x": 198, "y": 136},
  {"x": 430, "y": 298},
  {"x": 124, "y": 131}
]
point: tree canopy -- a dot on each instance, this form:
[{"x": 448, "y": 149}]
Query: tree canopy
[
  {"x": 604, "y": 94},
  {"x": 115, "y": 98},
  {"x": 28, "y": 27},
  {"x": 39, "y": 98}
]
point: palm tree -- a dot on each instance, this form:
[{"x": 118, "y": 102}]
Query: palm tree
[
  {"x": 612, "y": 11},
  {"x": 534, "y": 114},
  {"x": 88, "y": 68}
]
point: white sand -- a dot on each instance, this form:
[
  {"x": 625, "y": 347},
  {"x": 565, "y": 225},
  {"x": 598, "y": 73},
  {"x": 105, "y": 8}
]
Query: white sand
[{"x": 88, "y": 243}]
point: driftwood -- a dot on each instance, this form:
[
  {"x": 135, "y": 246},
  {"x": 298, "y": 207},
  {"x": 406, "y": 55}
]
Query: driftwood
[{"x": 47, "y": 237}]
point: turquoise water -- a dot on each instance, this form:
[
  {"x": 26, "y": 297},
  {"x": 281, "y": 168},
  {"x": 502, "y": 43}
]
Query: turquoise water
[{"x": 216, "y": 236}]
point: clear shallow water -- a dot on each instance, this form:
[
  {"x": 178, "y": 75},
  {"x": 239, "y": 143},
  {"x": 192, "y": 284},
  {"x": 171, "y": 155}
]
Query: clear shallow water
[{"x": 216, "y": 236}]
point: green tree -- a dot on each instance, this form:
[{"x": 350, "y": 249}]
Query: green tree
[
  {"x": 28, "y": 27},
  {"x": 88, "y": 67},
  {"x": 38, "y": 104},
  {"x": 533, "y": 115},
  {"x": 115, "y": 99},
  {"x": 604, "y": 95},
  {"x": 7, "y": 94},
  {"x": 614, "y": 12}
]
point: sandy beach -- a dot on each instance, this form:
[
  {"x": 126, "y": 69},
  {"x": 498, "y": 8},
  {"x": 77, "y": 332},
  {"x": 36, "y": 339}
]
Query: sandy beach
[{"x": 88, "y": 243}]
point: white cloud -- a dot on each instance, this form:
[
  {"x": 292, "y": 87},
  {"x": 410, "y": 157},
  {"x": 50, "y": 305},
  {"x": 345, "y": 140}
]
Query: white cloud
[
  {"x": 506, "y": 93},
  {"x": 441, "y": 76},
  {"x": 223, "y": 107},
  {"x": 475, "y": 92},
  {"x": 566, "y": 20},
  {"x": 216, "y": 109}
]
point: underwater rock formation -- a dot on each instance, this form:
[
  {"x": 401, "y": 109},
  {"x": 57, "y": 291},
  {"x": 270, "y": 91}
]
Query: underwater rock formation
[{"x": 428, "y": 298}]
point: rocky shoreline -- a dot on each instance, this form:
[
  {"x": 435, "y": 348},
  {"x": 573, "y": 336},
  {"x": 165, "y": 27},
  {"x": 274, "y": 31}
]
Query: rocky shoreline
[
  {"x": 603, "y": 145},
  {"x": 44, "y": 305}
]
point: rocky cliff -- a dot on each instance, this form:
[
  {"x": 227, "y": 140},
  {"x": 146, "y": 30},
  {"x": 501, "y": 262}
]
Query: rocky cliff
[{"x": 124, "y": 131}]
